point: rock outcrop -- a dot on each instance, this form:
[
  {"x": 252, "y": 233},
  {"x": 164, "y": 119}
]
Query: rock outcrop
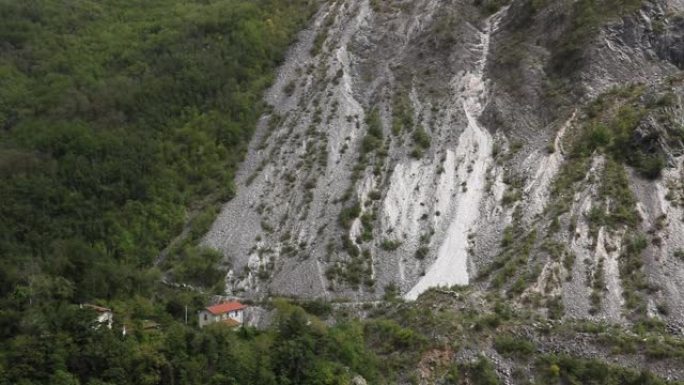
[{"x": 413, "y": 144}]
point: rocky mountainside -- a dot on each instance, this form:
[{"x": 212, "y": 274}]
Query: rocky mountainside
[{"x": 530, "y": 148}]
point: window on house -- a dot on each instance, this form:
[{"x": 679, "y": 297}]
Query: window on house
[{"x": 205, "y": 317}]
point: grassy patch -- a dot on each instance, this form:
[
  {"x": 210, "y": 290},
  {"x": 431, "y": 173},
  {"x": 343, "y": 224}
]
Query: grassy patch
[
  {"x": 513, "y": 347},
  {"x": 632, "y": 274}
]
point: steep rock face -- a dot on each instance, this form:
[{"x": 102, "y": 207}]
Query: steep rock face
[
  {"x": 421, "y": 143},
  {"x": 376, "y": 165}
]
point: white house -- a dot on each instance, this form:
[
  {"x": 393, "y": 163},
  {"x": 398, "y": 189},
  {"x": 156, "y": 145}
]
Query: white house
[
  {"x": 105, "y": 316},
  {"x": 230, "y": 313}
]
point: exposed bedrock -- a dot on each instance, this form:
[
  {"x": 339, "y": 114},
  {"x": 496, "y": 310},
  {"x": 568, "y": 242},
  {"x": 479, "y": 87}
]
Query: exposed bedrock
[{"x": 413, "y": 144}]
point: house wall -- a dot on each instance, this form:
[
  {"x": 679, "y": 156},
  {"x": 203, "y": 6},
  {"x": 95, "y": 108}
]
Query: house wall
[
  {"x": 206, "y": 318},
  {"x": 237, "y": 315}
]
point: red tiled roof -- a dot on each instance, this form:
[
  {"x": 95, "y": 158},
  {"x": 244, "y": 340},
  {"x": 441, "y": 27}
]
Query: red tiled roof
[{"x": 225, "y": 307}]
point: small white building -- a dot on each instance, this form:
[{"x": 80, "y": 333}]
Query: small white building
[
  {"x": 105, "y": 316},
  {"x": 230, "y": 313}
]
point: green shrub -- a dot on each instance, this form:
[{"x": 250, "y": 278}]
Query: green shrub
[
  {"x": 679, "y": 254},
  {"x": 373, "y": 140},
  {"x": 633, "y": 278},
  {"x": 511, "y": 346},
  {"x": 367, "y": 220},
  {"x": 374, "y": 123},
  {"x": 390, "y": 244},
  {"x": 507, "y": 238},
  {"x": 422, "y": 252},
  {"x": 650, "y": 166},
  {"x": 391, "y": 292},
  {"x": 318, "y": 307},
  {"x": 387, "y": 336},
  {"x": 574, "y": 370},
  {"x": 599, "y": 136},
  {"x": 555, "y": 307},
  {"x": 481, "y": 372},
  {"x": 402, "y": 113},
  {"x": 348, "y": 214},
  {"x": 421, "y": 137}
]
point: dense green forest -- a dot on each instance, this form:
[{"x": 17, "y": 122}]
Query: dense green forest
[
  {"x": 117, "y": 118},
  {"x": 121, "y": 125}
]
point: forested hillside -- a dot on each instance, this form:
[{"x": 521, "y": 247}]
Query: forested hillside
[
  {"x": 446, "y": 192},
  {"x": 120, "y": 121}
]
